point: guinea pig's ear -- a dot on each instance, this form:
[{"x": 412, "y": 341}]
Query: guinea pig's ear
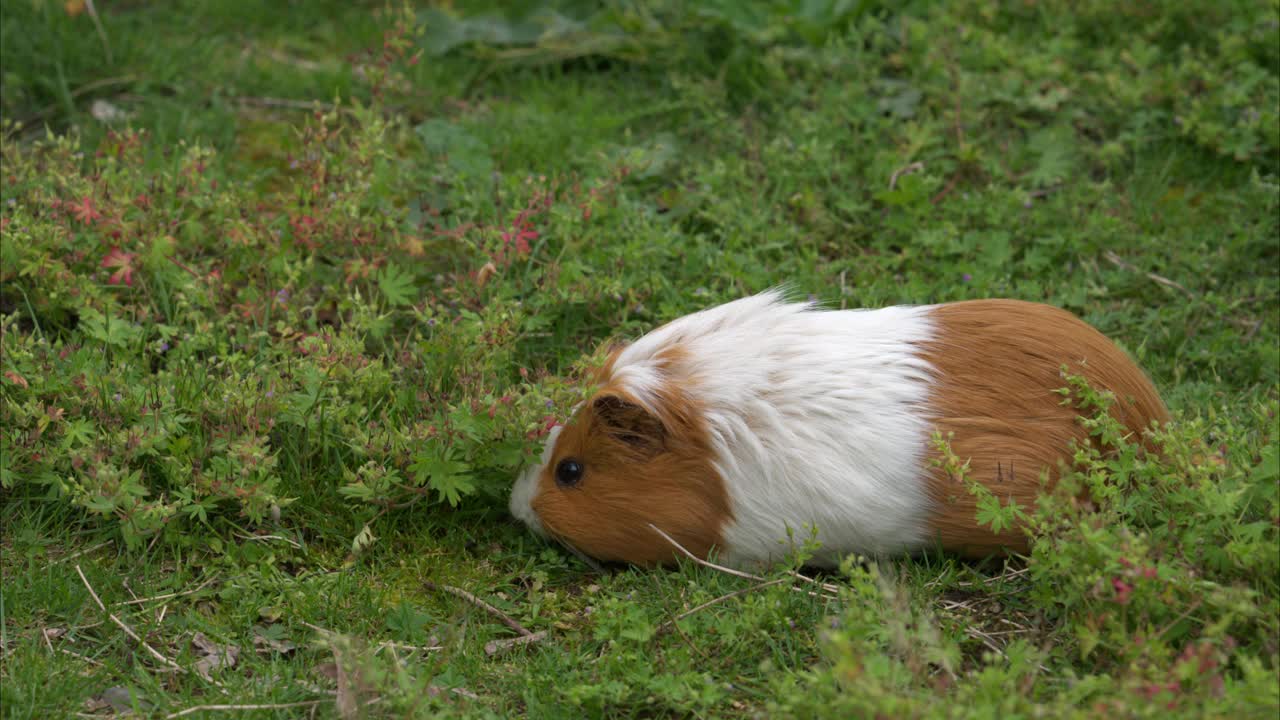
[{"x": 630, "y": 423}]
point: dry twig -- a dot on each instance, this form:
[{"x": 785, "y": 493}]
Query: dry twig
[
  {"x": 284, "y": 103},
  {"x": 463, "y": 594},
  {"x": 97, "y": 25},
  {"x": 904, "y": 170},
  {"x": 951, "y": 185},
  {"x": 127, "y": 630},
  {"x": 986, "y": 640},
  {"x": 85, "y": 658},
  {"x": 277, "y": 706},
  {"x": 168, "y": 596},
  {"x": 833, "y": 589},
  {"x": 260, "y": 538},
  {"x": 1119, "y": 262},
  {"x": 494, "y": 647},
  {"x": 78, "y": 553},
  {"x": 393, "y": 646}
]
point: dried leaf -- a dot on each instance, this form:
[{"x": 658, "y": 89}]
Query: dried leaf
[
  {"x": 436, "y": 691},
  {"x": 118, "y": 699},
  {"x": 106, "y": 112},
  {"x": 345, "y": 699},
  {"x": 213, "y": 656},
  {"x": 265, "y": 644}
]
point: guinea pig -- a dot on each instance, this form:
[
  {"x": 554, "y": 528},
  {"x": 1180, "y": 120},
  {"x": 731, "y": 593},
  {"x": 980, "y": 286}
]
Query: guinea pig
[{"x": 730, "y": 427}]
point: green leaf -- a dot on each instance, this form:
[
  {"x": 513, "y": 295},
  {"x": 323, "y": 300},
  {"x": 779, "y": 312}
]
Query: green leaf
[
  {"x": 898, "y": 98},
  {"x": 445, "y": 31},
  {"x": 357, "y": 491},
  {"x": 108, "y": 329},
  {"x": 79, "y": 432},
  {"x": 396, "y": 285},
  {"x": 1055, "y": 148},
  {"x": 463, "y": 152},
  {"x": 475, "y": 427},
  {"x": 100, "y": 504},
  {"x": 438, "y": 470},
  {"x": 1268, "y": 470},
  {"x": 991, "y": 514},
  {"x": 407, "y": 622}
]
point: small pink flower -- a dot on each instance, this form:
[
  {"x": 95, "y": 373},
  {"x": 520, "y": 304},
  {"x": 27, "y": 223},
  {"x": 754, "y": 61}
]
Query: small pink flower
[
  {"x": 1123, "y": 590},
  {"x": 520, "y": 235}
]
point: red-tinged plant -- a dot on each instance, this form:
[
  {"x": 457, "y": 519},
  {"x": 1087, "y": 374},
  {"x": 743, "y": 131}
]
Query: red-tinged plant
[
  {"x": 83, "y": 210},
  {"x": 122, "y": 264}
]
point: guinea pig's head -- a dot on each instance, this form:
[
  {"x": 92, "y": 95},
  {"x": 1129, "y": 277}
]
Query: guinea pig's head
[{"x": 628, "y": 458}]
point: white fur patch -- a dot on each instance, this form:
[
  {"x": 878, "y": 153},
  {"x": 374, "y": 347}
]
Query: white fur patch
[
  {"x": 817, "y": 419},
  {"x": 521, "y": 504}
]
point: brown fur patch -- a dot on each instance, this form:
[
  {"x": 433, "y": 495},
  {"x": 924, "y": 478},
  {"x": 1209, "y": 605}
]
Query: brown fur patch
[
  {"x": 999, "y": 363},
  {"x": 639, "y": 468}
]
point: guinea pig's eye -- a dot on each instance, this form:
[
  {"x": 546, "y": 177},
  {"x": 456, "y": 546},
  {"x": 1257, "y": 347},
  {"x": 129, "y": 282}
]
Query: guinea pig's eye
[{"x": 568, "y": 472}]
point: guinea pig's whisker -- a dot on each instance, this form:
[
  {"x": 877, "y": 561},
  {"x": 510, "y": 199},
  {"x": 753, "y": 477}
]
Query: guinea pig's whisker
[
  {"x": 590, "y": 562},
  {"x": 705, "y": 563}
]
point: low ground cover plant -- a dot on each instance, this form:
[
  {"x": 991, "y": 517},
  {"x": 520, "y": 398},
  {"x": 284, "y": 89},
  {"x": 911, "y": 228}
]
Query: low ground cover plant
[{"x": 283, "y": 311}]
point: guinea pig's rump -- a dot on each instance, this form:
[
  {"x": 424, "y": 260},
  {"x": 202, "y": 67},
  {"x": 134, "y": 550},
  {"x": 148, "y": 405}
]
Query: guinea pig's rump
[{"x": 999, "y": 366}]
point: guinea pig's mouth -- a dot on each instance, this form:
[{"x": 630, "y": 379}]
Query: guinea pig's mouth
[
  {"x": 585, "y": 558},
  {"x": 522, "y": 509},
  {"x": 521, "y": 505}
]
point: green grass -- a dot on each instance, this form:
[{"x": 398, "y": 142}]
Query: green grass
[{"x": 265, "y": 346}]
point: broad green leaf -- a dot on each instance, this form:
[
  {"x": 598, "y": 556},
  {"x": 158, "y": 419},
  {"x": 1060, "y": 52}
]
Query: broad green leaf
[{"x": 396, "y": 285}]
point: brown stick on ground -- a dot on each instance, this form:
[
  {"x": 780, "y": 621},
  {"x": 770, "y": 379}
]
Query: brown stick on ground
[
  {"x": 463, "y": 594},
  {"x": 127, "y": 630},
  {"x": 494, "y": 647},
  {"x": 1119, "y": 262},
  {"x": 207, "y": 708},
  {"x": 169, "y": 596}
]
